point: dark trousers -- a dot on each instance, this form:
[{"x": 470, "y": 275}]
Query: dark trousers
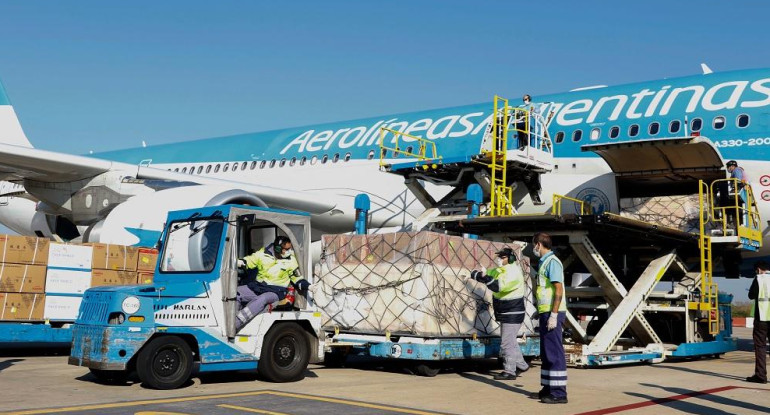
[
  {"x": 760, "y": 347},
  {"x": 553, "y": 371}
]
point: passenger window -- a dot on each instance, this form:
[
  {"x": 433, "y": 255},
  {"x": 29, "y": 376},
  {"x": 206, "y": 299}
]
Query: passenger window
[
  {"x": 176, "y": 169},
  {"x": 348, "y": 156},
  {"x": 633, "y": 130},
  {"x": 262, "y": 164},
  {"x": 577, "y": 135},
  {"x": 654, "y": 128},
  {"x": 371, "y": 155},
  {"x": 409, "y": 149},
  {"x": 324, "y": 159},
  {"x": 184, "y": 169},
  {"x": 282, "y": 163},
  {"x": 253, "y": 165},
  {"x": 743, "y": 121},
  {"x": 614, "y": 132},
  {"x": 595, "y": 134},
  {"x": 559, "y": 137},
  {"x": 226, "y": 167},
  {"x": 384, "y": 153},
  {"x": 272, "y": 163},
  {"x": 216, "y": 168},
  {"x": 314, "y": 160},
  {"x": 336, "y": 157},
  {"x": 674, "y": 126},
  {"x": 235, "y": 166},
  {"x": 243, "y": 165},
  {"x": 208, "y": 169},
  {"x": 292, "y": 162},
  {"x": 719, "y": 122},
  {"x": 192, "y": 170},
  {"x": 696, "y": 124},
  {"x": 302, "y": 161}
]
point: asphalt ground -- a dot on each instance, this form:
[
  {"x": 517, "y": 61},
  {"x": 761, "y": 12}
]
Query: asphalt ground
[{"x": 37, "y": 382}]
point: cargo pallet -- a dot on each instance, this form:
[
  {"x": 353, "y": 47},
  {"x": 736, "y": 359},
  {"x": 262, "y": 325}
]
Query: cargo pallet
[
  {"x": 34, "y": 334},
  {"x": 426, "y": 354}
]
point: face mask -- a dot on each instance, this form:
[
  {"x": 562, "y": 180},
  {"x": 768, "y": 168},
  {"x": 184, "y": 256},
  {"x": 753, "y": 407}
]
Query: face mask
[
  {"x": 288, "y": 253},
  {"x": 536, "y": 252},
  {"x": 499, "y": 262},
  {"x": 526, "y": 102}
]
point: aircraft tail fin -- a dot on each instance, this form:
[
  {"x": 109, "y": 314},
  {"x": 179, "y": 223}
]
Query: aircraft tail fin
[{"x": 10, "y": 128}]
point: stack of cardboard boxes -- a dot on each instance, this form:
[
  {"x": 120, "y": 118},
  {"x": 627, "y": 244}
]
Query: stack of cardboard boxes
[
  {"x": 22, "y": 277},
  {"x": 44, "y": 280}
]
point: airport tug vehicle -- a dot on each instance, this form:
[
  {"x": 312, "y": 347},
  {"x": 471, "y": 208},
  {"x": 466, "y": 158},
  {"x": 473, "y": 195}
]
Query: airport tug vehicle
[{"x": 185, "y": 321}]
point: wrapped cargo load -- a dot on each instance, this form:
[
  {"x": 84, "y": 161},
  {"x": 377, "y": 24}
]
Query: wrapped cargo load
[
  {"x": 677, "y": 212},
  {"x": 410, "y": 283}
]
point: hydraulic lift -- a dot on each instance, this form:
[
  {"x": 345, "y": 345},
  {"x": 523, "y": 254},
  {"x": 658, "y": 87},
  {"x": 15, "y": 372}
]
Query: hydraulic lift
[{"x": 651, "y": 294}]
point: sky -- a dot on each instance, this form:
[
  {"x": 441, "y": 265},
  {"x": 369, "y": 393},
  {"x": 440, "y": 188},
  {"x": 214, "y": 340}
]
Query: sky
[{"x": 97, "y": 76}]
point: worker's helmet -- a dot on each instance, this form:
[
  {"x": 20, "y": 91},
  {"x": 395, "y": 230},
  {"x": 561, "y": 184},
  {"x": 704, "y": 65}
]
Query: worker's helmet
[
  {"x": 732, "y": 163},
  {"x": 506, "y": 253}
]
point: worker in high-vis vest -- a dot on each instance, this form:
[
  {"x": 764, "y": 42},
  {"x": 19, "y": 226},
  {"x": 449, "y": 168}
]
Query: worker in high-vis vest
[
  {"x": 760, "y": 293},
  {"x": 269, "y": 273},
  {"x": 553, "y": 311},
  {"x": 506, "y": 281}
]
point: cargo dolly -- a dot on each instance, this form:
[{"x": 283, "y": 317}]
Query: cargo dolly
[{"x": 425, "y": 355}]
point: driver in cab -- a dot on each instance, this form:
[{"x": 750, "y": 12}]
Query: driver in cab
[{"x": 269, "y": 273}]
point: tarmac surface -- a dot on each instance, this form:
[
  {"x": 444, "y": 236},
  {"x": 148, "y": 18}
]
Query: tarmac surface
[{"x": 42, "y": 382}]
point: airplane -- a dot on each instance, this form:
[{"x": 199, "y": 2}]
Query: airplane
[{"x": 122, "y": 196}]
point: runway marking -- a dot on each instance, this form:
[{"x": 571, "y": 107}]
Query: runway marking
[
  {"x": 661, "y": 401},
  {"x": 354, "y": 403},
  {"x": 222, "y": 396},
  {"x": 252, "y": 410}
]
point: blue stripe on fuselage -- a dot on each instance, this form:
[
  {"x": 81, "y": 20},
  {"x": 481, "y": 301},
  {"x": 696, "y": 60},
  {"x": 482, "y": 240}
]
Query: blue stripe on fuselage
[{"x": 458, "y": 130}]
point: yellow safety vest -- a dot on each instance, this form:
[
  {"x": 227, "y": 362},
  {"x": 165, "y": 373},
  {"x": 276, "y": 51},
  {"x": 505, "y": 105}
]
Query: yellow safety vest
[
  {"x": 272, "y": 270},
  {"x": 763, "y": 298},
  {"x": 510, "y": 281},
  {"x": 545, "y": 290}
]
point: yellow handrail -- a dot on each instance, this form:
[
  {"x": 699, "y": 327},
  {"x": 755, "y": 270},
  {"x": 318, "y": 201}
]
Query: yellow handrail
[
  {"x": 556, "y": 207},
  {"x": 744, "y": 213},
  {"x": 422, "y": 148}
]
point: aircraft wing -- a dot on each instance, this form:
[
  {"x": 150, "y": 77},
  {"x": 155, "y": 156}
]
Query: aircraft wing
[{"x": 26, "y": 163}]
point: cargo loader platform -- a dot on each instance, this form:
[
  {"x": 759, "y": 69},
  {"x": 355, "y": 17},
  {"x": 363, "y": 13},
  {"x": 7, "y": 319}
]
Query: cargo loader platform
[{"x": 643, "y": 300}]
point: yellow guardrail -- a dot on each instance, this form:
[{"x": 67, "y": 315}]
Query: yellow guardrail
[
  {"x": 426, "y": 149},
  {"x": 556, "y": 206},
  {"x": 739, "y": 213}
]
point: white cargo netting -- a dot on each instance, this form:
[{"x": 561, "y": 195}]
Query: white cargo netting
[
  {"x": 410, "y": 283},
  {"x": 677, "y": 212}
]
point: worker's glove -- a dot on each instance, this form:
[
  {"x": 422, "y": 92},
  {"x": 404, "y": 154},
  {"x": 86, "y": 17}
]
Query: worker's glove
[
  {"x": 302, "y": 285},
  {"x": 552, "y": 320},
  {"x": 241, "y": 263}
]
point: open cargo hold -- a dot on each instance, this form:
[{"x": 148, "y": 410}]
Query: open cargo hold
[{"x": 410, "y": 283}]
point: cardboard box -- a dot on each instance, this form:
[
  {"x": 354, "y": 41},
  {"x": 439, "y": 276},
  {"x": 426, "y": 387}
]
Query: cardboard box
[
  {"x": 21, "y": 306},
  {"x": 148, "y": 259},
  {"x": 23, "y": 249},
  {"x": 67, "y": 281},
  {"x": 143, "y": 278},
  {"x": 114, "y": 257},
  {"x": 18, "y": 278},
  {"x": 59, "y": 307},
  {"x": 70, "y": 256},
  {"x": 101, "y": 277}
]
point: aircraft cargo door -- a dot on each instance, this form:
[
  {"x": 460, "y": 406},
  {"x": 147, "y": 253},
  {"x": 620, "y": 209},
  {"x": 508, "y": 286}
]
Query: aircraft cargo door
[{"x": 670, "y": 166}]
